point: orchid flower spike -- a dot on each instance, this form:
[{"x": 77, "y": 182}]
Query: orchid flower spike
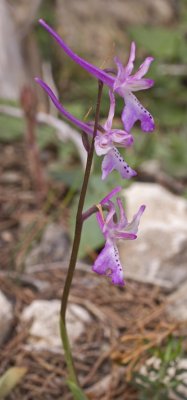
[
  {"x": 113, "y": 229},
  {"x": 122, "y": 83},
  {"x": 106, "y": 138}
]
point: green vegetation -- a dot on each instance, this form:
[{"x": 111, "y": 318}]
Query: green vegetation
[{"x": 163, "y": 375}]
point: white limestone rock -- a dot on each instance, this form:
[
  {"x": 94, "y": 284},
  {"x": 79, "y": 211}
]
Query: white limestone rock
[
  {"x": 12, "y": 72},
  {"x": 53, "y": 247},
  {"x": 177, "y": 303},
  {"x": 159, "y": 254},
  {"x": 44, "y": 331},
  {"x": 6, "y": 317}
]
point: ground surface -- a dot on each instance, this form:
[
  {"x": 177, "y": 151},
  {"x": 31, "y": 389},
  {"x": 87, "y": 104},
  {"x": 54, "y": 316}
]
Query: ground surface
[{"x": 102, "y": 356}]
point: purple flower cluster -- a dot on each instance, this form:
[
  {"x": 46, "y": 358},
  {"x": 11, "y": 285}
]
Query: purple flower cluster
[
  {"x": 113, "y": 229},
  {"x": 107, "y": 139}
]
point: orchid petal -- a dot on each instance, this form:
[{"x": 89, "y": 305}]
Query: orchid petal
[
  {"x": 105, "y": 141},
  {"x": 124, "y": 72},
  {"x": 103, "y": 144},
  {"x": 108, "y": 124},
  {"x": 122, "y": 217},
  {"x": 113, "y": 160},
  {"x": 111, "y": 194},
  {"x": 119, "y": 136},
  {"x": 100, "y": 220},
  {"x": 111, "y": 213},
  {"x": 132, "y": 227},
  {"x": 97, "y": 72},
  {"x": 121, "y": 76},
  {"x": 134, "y": 85},
  {"x": 108, "y": 223},
  {"x": 108, "y": 263},
  {"x": 130, "y": 65},
  {"x": 125, "y": 235},
  {"x": 143, "y": 69},
  {"x": 134, "y": 111}
]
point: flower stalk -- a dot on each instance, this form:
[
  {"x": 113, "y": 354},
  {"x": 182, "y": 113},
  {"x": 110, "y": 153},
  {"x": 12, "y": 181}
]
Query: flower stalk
[{"x": 75, "y": 247}]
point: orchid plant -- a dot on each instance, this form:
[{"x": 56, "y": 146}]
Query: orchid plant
[{"x": 105, "y": 141}]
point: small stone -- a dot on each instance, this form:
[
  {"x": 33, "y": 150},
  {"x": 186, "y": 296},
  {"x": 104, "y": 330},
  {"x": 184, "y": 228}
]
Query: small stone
[
  {"x": 53, "y": 247},
  {"x": 6, "y": 317},
  {"x": 44, "y": 330},
  {"x": 159, "y": 254},
  {"x": 177, "y": 301},
  {"x": 7, "y": 236},
  {"x": 11, "y": 178}
]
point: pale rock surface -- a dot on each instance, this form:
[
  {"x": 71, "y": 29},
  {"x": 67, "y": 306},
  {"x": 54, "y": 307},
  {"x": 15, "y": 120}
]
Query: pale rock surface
[
  {"x": 53, "y": 247},
  {"x": 6, "y": 317},
  {"x": 44, "y": 330},
  {"x": 16, "y": 18},
  {"x": 177, "y": 301},
  {"x": 159, "y": 254},
  {"x": 12, "y": 72},
  {"x": 24, "y": 13}
]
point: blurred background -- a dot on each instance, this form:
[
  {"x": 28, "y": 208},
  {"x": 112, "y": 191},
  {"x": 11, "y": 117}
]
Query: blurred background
[
  {"x": 27, "y": 50},
  {"x": 41, "y": 167}
]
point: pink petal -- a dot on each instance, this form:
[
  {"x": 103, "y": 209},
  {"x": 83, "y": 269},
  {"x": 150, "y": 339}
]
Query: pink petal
[
  {"x": 125, "y": 235},
  {"x": 111, "y": 213},
  {"x": 100, "y": 220},
  {"x": 134, "y": 85},
  {"x": 124, "y": 72},
  {"x": 108, "y": 263},
  {"x": 132, "y": 227},
  {"x": 134, "y": 111},
  {"x": 111, "y": 194},
  {"x": 130, "y": 64},
  {"x": 121, "y": 75},
  {"x": 143, "y": 69},
  {"x": 113, "y": 160},
  {"x": 108, "y": 124},
  {"x": 103, "y": 144},
  {"x": 124, "y": 139},
  {"x": 103, "y": 224},
  {"x": 122, "y": 217}
]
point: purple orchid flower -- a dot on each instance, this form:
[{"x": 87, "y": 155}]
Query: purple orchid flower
[
  {"x": 106, "y": 138},
  {"x": 108, "y": 262},
  {"x": 122, "y": 83}
]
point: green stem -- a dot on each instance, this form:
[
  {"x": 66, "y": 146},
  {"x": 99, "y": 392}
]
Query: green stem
[
  {"x": 75, "y": 247},
  {"x": 67, "y": 351}
]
